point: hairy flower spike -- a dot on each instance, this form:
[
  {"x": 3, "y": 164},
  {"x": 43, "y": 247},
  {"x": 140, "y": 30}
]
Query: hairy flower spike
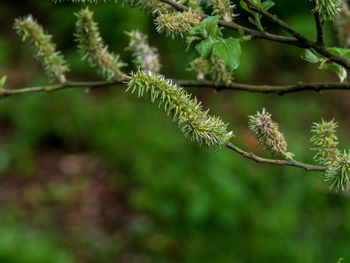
[
  {"x": 338, "y": 174},
  {"x": 267, "y": 132},
  {"x": 328, "y": 9},
  {"x": 43, "y": 48},
  {"x": 177, "y": 23},
  {"x": 223, "y": 8},
  {"x": 325, "y": 142},
  {"x": 146, "y": 57},
  {"x": 92, "y": 47},
  {"x": 196, "y": 124}
]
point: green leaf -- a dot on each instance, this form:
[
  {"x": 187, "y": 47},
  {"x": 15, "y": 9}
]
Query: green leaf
[
  {"x": 336, "y": 68},
  {"x": 205, "y": 47},
  {"x": 312, "y": 56},
  {"x": 208, "y": 27},
  {"x": 267, "y": 5},
  {"x": 343, "y": 52},
  {"x": 229, "y": 50}
]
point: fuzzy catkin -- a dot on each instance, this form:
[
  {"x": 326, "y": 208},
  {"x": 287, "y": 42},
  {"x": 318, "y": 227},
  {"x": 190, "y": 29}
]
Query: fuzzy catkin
[
  {"x": 327, "y": 9},
  {"x": 223, "y": 8},
  {"x": 267, "y": 132},
  {"x": 338, "y": 173},
  {"x": 195, "y": 123},
  {"x": 91, "y": 45},
  {"x": 325, "y": 142},
  {"x": 177, "y": 23},
  {"x": 145, "y": 56},
  {"x": 43, "y": 48}
]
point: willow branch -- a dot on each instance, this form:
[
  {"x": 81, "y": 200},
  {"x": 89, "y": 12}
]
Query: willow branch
[
  {"x": 69, "y": 84},
  {"x": 274, "y": 19},
  {"x": 258, "y": 159},
  {"x": 277, "y": 89}
]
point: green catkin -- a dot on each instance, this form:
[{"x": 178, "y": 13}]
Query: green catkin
[
  {"x": 338, "y": 173},
  {"x": 325, "y": 142},
  {"x": 267, "y": 132},
  {"x": 223, "y": 8},
  {"x": 43, "y": 48},
  {"x": 145, "y": 56},
  {"x": 196, "y": 124},
  {"x": 91, "y": 45},
  {"x": 177, "y": 23},
  {"x": 327, "y": 9}
]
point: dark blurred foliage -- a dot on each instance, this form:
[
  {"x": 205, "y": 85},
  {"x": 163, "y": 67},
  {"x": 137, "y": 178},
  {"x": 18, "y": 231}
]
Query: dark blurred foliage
[{"x": 106, "y": 177}]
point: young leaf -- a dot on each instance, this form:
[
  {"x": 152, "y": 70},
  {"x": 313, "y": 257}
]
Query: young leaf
[{"x": 229, "y": 50}]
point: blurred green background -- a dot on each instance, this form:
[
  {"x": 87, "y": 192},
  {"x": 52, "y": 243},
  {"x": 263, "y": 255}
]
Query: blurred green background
[{"x": 105, "y": 177}]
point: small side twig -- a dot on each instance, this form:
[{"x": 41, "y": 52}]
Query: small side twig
[{"x": 258, "y": 159}]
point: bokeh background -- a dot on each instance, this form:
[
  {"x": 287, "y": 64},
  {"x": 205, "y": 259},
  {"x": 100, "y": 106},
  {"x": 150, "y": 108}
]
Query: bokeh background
[{"x": 106, "y": 177}]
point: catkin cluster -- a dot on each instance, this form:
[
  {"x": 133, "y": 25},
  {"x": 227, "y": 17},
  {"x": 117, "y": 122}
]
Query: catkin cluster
[{"x": 195, "y": 123}]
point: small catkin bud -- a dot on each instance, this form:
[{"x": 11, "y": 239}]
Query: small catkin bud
[
  {"x": 325, "y": 142},
  {"x": 177, "y": 23},
  {"x": 196, "y": 124},
  {"x": 223, "y": 8},
  {"x": 327, "y": 9},
  {"x": 218, "y": 70},
  {"x": 200, "y": 66},
  {"x": 44, "y": 49},
  {"x": 146, "y": 57},
  {"x": 338, "y": 173},
  {"x": 91, "y": 45},
  {"x": 267, "y": 132}
]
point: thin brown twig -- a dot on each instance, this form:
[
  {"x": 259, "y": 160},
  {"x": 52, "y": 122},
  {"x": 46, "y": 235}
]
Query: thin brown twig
[
  {"x": 232, "y": 25},
  {"x": 304, "y": 41},
  {"x": 70, "y": 84},
  {"x": 277, "y": 89},
  {"x": 258, "y": 159}
]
